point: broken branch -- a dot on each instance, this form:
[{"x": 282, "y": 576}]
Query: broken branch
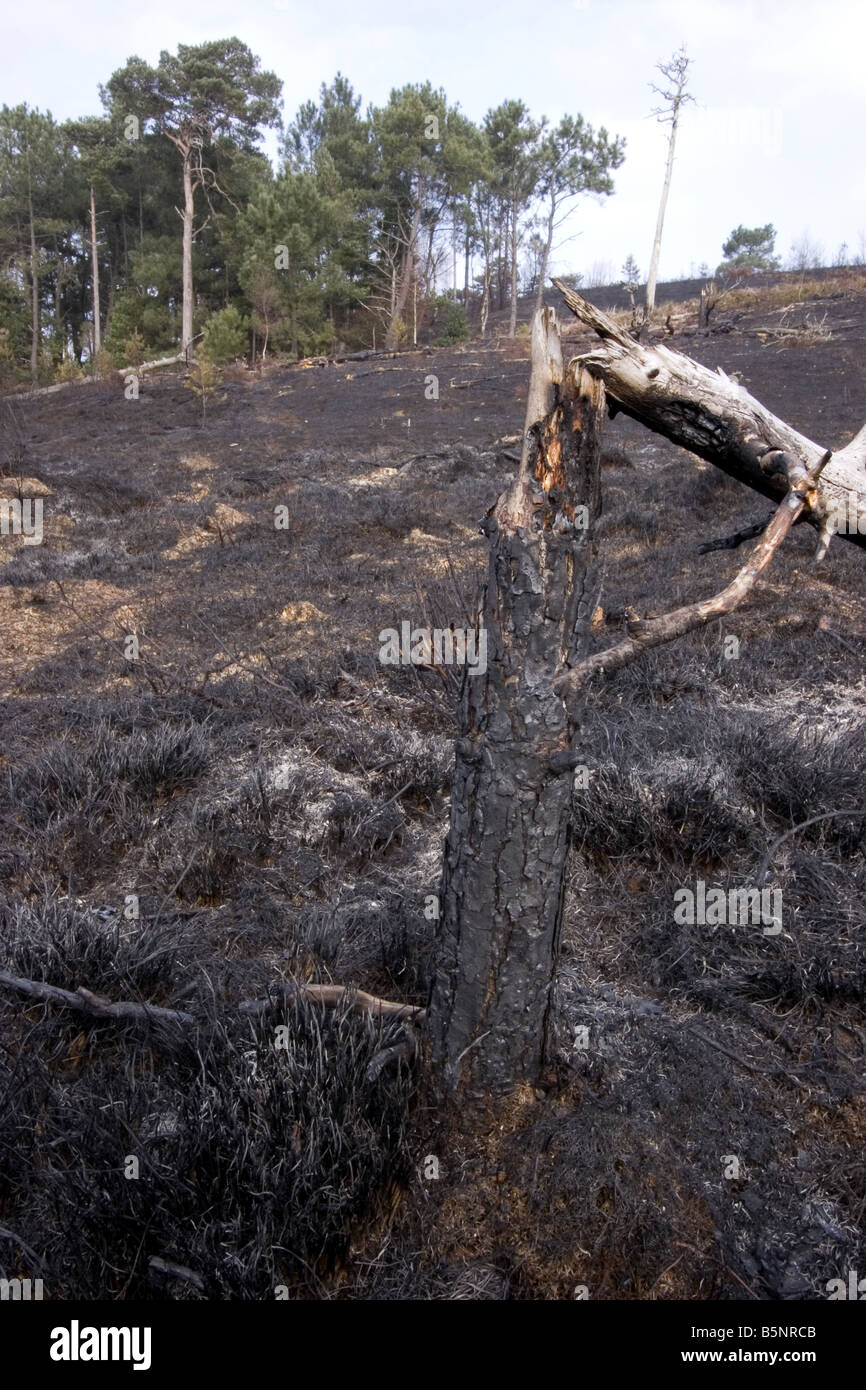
[
  {"x": 96, "y": 1004},
  {"x": 100, "y": 1007},
  {"x": 331, "y": 995},
  {"x": 644, "y": 633},
  {"x": 713, "y": 416}
]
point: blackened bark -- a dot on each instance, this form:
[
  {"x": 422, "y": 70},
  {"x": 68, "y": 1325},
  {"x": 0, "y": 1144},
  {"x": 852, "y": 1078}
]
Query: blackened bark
[{"x": 505, "y": 855}]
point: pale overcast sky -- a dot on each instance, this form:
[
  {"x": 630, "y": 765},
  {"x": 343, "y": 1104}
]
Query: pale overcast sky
[{"x": 776, "y": 136}]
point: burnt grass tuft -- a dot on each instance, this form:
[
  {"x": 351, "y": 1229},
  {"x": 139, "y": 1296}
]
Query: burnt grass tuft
[
  {"x": 255, "y": 1162},
  {"x": 255, "y": 798}
]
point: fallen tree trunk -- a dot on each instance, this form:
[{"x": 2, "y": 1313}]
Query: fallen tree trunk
[
  {"x": 90, "y": 380},
  {"x": 715, "y": 417},
  {"x": 505, "y": 855}
]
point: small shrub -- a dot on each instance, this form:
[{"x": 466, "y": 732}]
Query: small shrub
[
  {"x": 451, "y": 320},
  {"x": 134, "y": 349},
  {"x": 203, "y": 380},
  {"x": 69, "y": 370},
  {"x": 47, "y": 366},
  {"x": 7, "y": 360},
  {"x": 225, "y": 337},
  {"x": 103, "y": 366}
]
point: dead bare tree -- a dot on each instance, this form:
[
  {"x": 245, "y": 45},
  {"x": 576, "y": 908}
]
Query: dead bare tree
[
  {"x": 394, "y": 270},
  {"x": 265, "y": 299},
  {"x": 404, "y": 276},
  {"x": 674, "y": 96}
]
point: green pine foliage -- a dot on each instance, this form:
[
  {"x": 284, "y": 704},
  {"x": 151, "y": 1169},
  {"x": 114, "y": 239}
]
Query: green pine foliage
[
  {"x": 451, "y": 321},
  {"x": 226, "y": 337},
  {"x": 749, "y": 248},
  {"x": 331, "y": 250}
]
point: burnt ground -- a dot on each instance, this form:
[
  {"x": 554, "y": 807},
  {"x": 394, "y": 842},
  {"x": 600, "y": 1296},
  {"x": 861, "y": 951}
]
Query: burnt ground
[{"x": 276, "y": 800}]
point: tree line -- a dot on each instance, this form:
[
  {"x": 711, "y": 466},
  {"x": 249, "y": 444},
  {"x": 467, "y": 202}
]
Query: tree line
[{"x": 160, "y": 224}]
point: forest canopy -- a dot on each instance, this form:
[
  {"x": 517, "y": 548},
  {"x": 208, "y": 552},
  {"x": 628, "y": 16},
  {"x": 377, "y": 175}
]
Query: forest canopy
[{"x": 123, "y": 234}]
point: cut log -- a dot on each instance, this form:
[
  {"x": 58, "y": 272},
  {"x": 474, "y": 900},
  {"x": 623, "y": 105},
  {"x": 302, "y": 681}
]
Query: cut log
[
  {"x": 715, "y": 417},
  {"x": 503, "y": 871}
]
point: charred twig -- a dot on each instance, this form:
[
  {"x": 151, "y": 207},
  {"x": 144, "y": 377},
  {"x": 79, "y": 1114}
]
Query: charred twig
[
  {"x": 171, "y": 892},
  {"x": 813, "y": 820},
  {"x": 771, "y": 1069},
  {"x": 97, "y": 1005},
  {"x": 748, "y": 533},
  {"x": 158, "y": 1265},
  {"x": 85, "y": 1001},
  {"x": 403, "y": 1051},
  {"x": 331, "y": 995},
  {"x": 31, "y": 1255}
]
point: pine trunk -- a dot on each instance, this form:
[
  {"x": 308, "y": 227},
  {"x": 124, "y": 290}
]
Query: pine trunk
[
  {"x": 505, "y": 855},
  {"x": 545, "y": 257},
  {"x": 188, "y": 215},
  {"x": 34, "y": 301},
  {"x": 512, "y": 318},
  {"x": 657, "y": 243},
  {"x": 94, "y": 270}
]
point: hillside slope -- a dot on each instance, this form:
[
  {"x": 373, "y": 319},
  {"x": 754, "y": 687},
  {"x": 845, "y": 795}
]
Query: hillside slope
[{"x": 275, "y": 800}]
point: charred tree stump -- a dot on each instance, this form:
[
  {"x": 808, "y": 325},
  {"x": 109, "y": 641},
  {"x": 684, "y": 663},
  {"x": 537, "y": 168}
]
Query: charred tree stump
[
  {"x": 708, "y": 301},
  {"x": 505, "y": 854}
]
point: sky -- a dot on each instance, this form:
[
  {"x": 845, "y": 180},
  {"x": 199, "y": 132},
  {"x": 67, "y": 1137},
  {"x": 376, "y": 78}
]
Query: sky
[{"x": 776, "y": 133}]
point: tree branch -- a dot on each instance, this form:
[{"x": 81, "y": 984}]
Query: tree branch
[
  {"x": 652, "y": 632},
  {"x": 96, "y": 1004},
  {"x": 99, "y": 1006},
  {"x": 713, "y": 416},
  {"x": 331, "y": 995}
]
